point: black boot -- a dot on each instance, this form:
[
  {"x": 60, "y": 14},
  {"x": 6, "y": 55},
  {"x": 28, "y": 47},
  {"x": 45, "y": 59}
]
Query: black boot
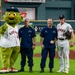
[
  {"x": 42, "y": 70},
  {"x": 30, "y": 69},
  {"x": 21, "y": 70},
  {"x": 51, "y": 70}
]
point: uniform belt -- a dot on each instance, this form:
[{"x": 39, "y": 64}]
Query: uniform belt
[{"x": 62, "y": 38}]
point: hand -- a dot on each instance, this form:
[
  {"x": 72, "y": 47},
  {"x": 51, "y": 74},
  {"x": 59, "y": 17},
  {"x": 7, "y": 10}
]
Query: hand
[
  {"x": 42, "y": 46},
  {"x": 71, "y": 44},
  {"x": 33, "y": 47},
  {"x": 52, "y": 42},
  {"x": 5, "y": 27}
]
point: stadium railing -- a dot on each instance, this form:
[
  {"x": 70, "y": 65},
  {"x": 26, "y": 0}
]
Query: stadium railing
[{"x": 42, "y": 23}]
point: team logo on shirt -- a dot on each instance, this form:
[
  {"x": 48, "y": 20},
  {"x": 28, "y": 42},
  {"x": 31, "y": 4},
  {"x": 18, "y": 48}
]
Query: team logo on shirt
[
  {"x": 62, "y": 30},
  {"x": 71, "y": 29},
  {"x": 29, "y": 35},
  {"x": 46, "y": 31},
  {"x": 13, "y": 32},
  {"x": 54, "y": 31},
  {"x": 29, "y": 31}
]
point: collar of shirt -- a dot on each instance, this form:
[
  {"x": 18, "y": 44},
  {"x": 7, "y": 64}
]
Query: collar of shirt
[{"x": 26, "y": 27}]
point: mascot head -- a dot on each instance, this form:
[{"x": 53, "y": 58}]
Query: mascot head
[{"x": 12, "y": 16}]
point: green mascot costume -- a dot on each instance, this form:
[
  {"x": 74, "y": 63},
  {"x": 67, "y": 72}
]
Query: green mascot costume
[{"x": 9, "y": 41}]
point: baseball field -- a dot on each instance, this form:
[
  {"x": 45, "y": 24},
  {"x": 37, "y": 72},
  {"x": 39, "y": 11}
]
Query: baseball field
[{"x": 36, "y": 67}]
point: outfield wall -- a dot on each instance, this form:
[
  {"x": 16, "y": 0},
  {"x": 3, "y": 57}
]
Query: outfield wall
[{"x": 42, "y": 23}]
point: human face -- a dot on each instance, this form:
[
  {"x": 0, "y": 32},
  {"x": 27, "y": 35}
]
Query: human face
[
  {"x": 50, "y": 22},
  {"x": 62, "y": 20},
  {"x": 27, "y": 22}
]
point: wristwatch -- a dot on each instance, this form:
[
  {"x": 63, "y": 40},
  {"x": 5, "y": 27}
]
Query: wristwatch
[{"x": 34, "y": 44}]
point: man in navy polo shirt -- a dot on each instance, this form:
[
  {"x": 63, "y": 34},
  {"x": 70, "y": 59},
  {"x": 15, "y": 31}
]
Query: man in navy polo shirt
[
  {"x": 47, "y": 39},
  {"x": 28, "y": 40}
]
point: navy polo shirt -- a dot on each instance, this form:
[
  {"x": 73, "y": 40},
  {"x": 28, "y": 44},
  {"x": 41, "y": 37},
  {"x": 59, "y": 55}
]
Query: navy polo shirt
[
  {"x": 48, "y": 34},
  {"x": 26, "y": 34}
]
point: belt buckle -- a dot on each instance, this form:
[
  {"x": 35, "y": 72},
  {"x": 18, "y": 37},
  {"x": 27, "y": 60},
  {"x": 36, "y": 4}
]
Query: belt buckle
[{"x": 61, "y": 39}]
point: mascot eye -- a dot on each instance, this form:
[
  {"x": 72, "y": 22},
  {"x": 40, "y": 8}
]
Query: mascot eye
[
  {"x": 14, "y": 14},
  {"x": 8, "y": 13}
]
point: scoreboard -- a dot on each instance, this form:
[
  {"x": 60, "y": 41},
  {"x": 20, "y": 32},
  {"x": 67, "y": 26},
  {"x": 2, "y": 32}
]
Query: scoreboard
[{"x": 31, "y": 1}]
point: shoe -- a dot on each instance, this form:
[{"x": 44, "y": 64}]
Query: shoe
[
  {"x": 60, "y": 70},
  {"x": 4, "y": 70},
  {"x": 30, "y": 69},
  {"x": 13, "y": 69},
  {"x": 42, "y": 70},
  {"x": 51, "y": 71},
  {"x": 66, "y": 71},
  {"x": 21, "y": 70}
]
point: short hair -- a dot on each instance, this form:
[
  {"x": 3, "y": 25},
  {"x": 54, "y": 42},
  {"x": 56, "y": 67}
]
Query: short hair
[
  {"x": 26, "y": 19},
  {"x": 50, "y": 19}
]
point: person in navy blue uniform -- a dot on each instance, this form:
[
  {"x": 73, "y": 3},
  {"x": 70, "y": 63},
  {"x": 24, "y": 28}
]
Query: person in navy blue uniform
[
  {"x": 48, "y": 38},
  {"x": 28, "y": 40}
]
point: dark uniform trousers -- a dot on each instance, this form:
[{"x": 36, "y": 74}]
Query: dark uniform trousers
[
  {"x": 29, "y": 53},
  {"x": 44, "y": 54}
]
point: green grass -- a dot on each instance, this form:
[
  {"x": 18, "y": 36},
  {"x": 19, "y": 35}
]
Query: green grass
[
  {"x": 37, "y": 49},
  {"x": 38, "y": 40},
  {"x": 36, "y": 67},
  {"x": 72, "y": 48}
]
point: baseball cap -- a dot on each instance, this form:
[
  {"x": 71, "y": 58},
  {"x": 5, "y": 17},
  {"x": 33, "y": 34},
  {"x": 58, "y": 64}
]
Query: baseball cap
[
  {"x": 61, "y": 16},
  {"x": 12, "y": 9}
]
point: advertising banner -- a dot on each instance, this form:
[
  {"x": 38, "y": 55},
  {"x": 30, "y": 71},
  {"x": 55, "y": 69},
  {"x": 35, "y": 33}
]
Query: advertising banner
[{"x": 27, "y": 13}]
